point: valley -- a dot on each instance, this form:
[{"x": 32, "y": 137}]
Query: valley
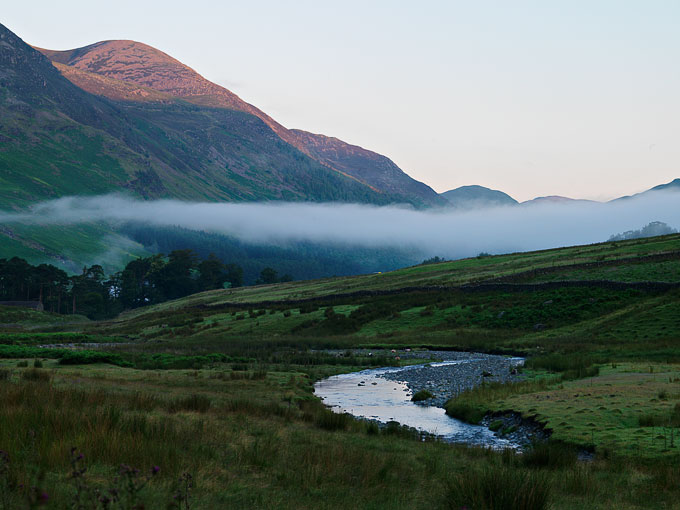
[{"x": 228, "y": 377}]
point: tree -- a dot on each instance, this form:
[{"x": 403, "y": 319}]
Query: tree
[
  {"x": 234, "y": 275},
  {"x": 268, "y": 275},
  {"x": 213, "y": 274},
  {"x": 178, "y": 277}
]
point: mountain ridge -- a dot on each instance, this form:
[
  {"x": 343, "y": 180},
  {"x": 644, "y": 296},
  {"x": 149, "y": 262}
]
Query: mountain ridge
[
  {"x": 59, "y": 139},
  {"x": 132, "y": 62}
]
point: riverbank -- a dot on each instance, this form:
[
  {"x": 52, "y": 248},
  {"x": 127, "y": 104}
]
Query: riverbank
[{"x": 458, "y": 372}]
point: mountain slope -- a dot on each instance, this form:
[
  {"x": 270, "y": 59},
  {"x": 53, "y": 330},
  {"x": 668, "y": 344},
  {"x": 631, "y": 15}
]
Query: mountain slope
[
  {"x": 129, "y": 64},
  {"x": 674, "y": 185},
  {"x": 471, "y": 197},
  {"x": 61, "y": 140},
  {"x": 374, "y": 169},
  {"x": 143, "y": 65}
]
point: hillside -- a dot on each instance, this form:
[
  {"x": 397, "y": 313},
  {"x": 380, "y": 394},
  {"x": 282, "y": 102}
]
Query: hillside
[
  {"x": 670, "y": 186},
  {"x": 133, "y": 71},
  {"x": 374, "y": 169},
  {"x": 596, "y": 260},
  {"x": 586, "y": 283},
  {"x": 61, "y": 140}
]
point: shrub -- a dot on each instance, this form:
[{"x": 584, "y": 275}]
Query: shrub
[
  {"x": 496, "y": 425},
  {"x": 421, "y": 395},
  {"x": 5, "y": 374},
  {"x": 499, "y": 488},
  {"x": 328, "y": 420},
  {"x": 37, "y": 375},
  {"x": 37, "y": 363},
  {"x": 22, "y": 364}
]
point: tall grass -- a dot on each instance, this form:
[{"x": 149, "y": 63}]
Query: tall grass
[
  {"x": 472, "y": 405},
  {"x": 571, "y": 366},
  {"x": 499, "y": 488}
]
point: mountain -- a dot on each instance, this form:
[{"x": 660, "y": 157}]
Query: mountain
[
  {"x": 58, "y": 139},
  {"x": 555, "y": 199},
  {"x": 473, "y": 197},
  {"x": 133, "y": 71},
  {"x": 674, "y": 185},
  {"x": 374, "y": 169}
]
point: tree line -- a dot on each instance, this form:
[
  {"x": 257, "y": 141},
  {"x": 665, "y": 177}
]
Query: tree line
[{"x": 143, "y": 281}]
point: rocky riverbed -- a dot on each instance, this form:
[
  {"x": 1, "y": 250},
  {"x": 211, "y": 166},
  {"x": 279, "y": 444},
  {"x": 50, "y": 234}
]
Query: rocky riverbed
[{"x": 445, "y": 380}]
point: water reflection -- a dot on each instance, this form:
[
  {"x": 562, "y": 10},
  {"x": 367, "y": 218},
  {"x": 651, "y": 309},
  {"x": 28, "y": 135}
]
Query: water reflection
[{"x": 365, "y": 395}]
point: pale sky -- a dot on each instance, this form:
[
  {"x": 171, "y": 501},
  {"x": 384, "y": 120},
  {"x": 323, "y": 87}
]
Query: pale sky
[{"x": 575, "y": 97}]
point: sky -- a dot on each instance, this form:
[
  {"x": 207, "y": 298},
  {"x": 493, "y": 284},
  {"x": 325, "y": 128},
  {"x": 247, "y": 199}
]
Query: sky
[{"x": 576, "y": 98}]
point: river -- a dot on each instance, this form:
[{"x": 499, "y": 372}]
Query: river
[{"x": 368, "y": 394}]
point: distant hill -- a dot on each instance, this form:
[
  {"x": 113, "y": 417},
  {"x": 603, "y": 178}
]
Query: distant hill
[
  {"x": 472, "y": 197},
  {"x": 555, "y": 199},
  {"x": 674, "y": 185}
]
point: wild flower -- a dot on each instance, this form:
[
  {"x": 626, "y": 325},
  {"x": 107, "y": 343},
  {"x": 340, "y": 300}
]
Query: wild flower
[{"x": 186, "y": 483}]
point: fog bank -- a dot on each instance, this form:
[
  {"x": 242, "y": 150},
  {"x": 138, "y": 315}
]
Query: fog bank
[{"x": 450, "y": 234}]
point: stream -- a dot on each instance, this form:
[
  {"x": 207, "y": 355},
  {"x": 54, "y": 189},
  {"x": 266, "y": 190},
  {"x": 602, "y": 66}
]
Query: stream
[{"x": 378, "y": 394}]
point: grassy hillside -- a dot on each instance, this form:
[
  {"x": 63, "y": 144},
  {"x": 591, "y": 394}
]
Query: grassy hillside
[
  {"x": 70, "y": 247},
  {"x": 227, "y": 378},
  {"x": 520, "y": 267}
]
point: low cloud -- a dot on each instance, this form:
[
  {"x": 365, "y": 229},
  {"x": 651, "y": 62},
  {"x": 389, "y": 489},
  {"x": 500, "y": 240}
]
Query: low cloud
[{"x": 450, "y": 234}]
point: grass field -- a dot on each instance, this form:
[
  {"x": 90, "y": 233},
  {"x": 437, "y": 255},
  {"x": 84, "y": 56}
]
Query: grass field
[{"x": 216, "y": 390}]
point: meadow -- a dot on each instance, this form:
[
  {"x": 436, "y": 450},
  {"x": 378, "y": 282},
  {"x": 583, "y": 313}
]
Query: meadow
[{"x": 207, "y": 401}]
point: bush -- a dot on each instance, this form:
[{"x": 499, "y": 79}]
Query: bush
[
  {"x": 22, "y": 364},
  {"x": 421, "y": 395},
  {"x": 37, "y": 363},
  {"x": 37, "y": 375},
  {"x": 496, "y": 425},
  {"x": 464, "y": 411},
  {"x": 5, "y": 374},
  {"x": 499, "y": 488},
  {"x": 328, "y": 420}
]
